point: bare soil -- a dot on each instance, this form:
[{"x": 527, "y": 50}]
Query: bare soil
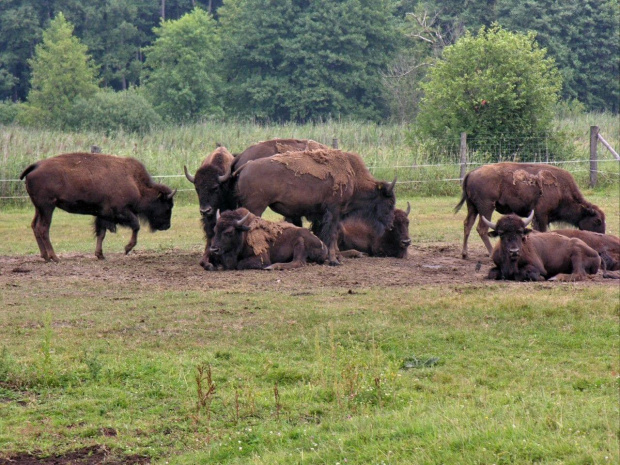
[
  {"x": 426, "y": 264},
  {"x": 88, "y": 456}
]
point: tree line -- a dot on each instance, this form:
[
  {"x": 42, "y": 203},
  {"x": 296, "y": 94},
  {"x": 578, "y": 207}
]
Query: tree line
[{"x": 135, "y": 63}]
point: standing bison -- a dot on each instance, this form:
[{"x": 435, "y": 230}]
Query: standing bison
[
  {"x": 520, "y": 188},
  {"x": 522, "y": 256},
  {"x": 213, "y": 195},
  {"x": 243, "y": 241},
  {"x": 115, "y": 190},
  {"x": 322, "y": 185},
  {"x": 358, "y": 234}
]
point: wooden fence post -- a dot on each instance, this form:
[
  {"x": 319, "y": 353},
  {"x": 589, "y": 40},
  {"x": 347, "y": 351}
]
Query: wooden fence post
[
  {"x": 463, "y": 156},
  {"x": 593, "y": 157},
  {"x": 335, "y": 142}
]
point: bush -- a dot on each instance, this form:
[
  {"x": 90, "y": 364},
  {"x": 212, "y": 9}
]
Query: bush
[
  {"x": 110, "y": 111},
  {"x": 8, "y": 112}
]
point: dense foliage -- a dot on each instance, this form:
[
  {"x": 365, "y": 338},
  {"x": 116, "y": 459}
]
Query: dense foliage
[
  {"x": 300, "y": 60},
  {"x": 495, "y": 83}
]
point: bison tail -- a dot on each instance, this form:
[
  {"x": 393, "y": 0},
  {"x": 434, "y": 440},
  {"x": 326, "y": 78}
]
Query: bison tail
[
  {"x": 463, "y": 195},
  {"x": 28, "y": 170}
]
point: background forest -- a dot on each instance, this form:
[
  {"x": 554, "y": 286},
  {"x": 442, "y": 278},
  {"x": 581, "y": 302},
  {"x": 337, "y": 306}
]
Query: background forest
[{"x": 284, "y": 60}]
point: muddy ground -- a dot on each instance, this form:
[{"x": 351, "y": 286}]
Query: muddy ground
[{"x": 426, "y": 264}]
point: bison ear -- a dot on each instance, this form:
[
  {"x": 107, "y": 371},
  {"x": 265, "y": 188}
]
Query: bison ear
[
  {"x": 493, "y": 233},
  {"x": 243, "y": 227},
  {"x": 527, "y": 231}
]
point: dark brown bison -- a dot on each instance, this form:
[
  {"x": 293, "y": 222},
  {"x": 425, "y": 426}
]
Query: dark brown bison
[
  {"x": 244, "y": 241},
  {"x": 522, "y": 256},
  {"x": 607, "y": 246},
  {"x": 115, "y": 190},
  {"x": 357, "y": 234},
  {"x": 322, "y": 185},
  {"x": 213, "y": 195},
  {"x": 520, "y": 188}
]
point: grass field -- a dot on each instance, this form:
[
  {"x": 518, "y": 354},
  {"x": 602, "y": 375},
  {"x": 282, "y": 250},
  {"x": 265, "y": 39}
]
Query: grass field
[{"x": 186, "y": 370}]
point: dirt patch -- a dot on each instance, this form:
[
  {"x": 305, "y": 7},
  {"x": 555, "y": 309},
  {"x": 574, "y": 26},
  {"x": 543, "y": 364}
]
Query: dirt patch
[
  {"x": 426, "y": 264},
  {"x": 88, "y": 456}
]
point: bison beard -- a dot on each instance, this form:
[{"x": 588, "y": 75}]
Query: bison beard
[{"x": 115, "y": 190}]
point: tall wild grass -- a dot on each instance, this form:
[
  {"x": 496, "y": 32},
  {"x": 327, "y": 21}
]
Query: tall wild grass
[{"x": 390, "y": 150}]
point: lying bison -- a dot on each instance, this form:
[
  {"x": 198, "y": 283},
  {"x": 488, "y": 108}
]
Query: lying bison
[
  {"x": 607, "y": 246},
  {"x": 357, "y": 234},
  {"x": 244, "y": 241},
  {"x": 115, "y": 190},
  {"x": 520, "y": 188},
  {"x": 522, "y": 256},
  {"x": 213, "y": 195},
  {"x": 322, "y": 185}
]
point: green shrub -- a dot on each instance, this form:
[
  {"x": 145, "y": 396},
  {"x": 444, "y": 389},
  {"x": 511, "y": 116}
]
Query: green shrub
[
  {"x": 111, "y": 111},
  {"x": 8, "y": 112}
]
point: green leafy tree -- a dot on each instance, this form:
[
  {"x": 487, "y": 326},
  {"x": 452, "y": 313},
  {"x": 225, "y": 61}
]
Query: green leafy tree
[
  {"x": 182, "y": 79},
  {"x": 289, "y": 60},
  {"x": 497, "y": 84},
  {"x": 61, "y": 72}
]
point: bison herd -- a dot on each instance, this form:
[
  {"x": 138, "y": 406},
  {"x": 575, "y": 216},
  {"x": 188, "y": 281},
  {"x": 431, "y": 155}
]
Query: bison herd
[{"x": 349, "y": 212}]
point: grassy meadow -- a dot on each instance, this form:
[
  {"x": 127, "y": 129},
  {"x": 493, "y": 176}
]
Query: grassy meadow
[{"x": 484, "y": 373}]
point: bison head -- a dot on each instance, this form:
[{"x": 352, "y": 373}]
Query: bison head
[
  {"x": 230, "y": 235},
  {"x": 378, "y": 206},
  {"x": 512, "y": 231},
  {"x": 592, "y": 219},
  {"x": 158, "y": 211},
  {"x": 396, "y": 240}
]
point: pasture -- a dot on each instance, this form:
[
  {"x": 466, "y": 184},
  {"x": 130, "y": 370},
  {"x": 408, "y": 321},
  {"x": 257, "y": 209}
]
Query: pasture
[{"x": 147, "y": 358}]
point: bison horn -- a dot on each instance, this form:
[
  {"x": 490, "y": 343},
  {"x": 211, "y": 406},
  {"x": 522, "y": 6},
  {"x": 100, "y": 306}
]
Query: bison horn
[
  {"x": 408, "y": 209},
  {"x": 217, "y": 214},
  {"x": 169, "y": 196},
  {"x": 189, "y": 177},
  {"x": 242, "y": 220},
  {"x": 529, "y": 219},
  {"x": 390, "y": 187},
  {"x": 225, "y": 177},
  {"x": 488, "y": 223}
]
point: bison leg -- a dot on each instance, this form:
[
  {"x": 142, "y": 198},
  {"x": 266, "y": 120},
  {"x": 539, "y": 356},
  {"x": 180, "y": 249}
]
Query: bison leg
[
  {"x": 483, "y": 231},
  {"x": 329, "y": 235},
  {"x": 467, "y": 225},
  {"x": 131, "y": 220},
  {"x": 41, "y": 227},
  {"x": 300, "y": 255}
]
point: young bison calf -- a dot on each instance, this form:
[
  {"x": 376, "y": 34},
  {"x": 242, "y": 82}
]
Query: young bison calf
[
  {"x": 522, "y": 256},
  {"x": 244, "y": 241}
]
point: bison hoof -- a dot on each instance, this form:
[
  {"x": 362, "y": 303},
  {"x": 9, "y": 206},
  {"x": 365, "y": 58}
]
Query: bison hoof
[{"x": 334, "y": 263}]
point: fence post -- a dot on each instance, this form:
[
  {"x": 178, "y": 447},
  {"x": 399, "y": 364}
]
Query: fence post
[
  {"x": 335, "y": 142},
  {"x": 593, "y": 157},
  {"x": 463, "y": 155}
]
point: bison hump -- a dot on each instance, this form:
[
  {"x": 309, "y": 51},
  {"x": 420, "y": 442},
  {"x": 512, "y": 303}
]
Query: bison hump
[
  {"x": 319, "y": 164},
  {"x": 262, "y": 233}
]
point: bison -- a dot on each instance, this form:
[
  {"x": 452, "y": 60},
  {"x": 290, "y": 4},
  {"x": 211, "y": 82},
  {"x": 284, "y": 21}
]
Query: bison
[
  {"x": 213, "y": 195},
  {"x": 322, "y": 185},
  {"x": 522, "y": 256},
  {"x": 607, "y": 246},
  {"x": 114, "y": 190},
  {"x": 244, "y": 241},
  {"x": 356, "y": 234},
  {"x": 520, "y": 188}
]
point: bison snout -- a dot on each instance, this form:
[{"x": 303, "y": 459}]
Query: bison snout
[
  {"x": 207, "y": 211},
  {"x": 514, "y": 253},
  {"x": 215, "y": 250},
  {"x": 406, "y": 242}
]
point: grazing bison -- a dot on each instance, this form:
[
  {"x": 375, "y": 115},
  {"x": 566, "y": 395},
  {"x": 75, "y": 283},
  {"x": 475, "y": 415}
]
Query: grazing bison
[
  {"x": 213, "y": 195},
  {"x": 607, "y": 246},
  {"x": 356, "y": 234},
  {"x": 115, "y": 190},
  {"x": 322, "y": 185},
  {"x": 522, "y": 256},
  {"x": 520, "y": 188},
  {"x": 243, "y": 241}
]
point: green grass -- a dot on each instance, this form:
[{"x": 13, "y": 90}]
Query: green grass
[
  {"x": 526, "y": 373},
  {"x": 389, "y": 150}
]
